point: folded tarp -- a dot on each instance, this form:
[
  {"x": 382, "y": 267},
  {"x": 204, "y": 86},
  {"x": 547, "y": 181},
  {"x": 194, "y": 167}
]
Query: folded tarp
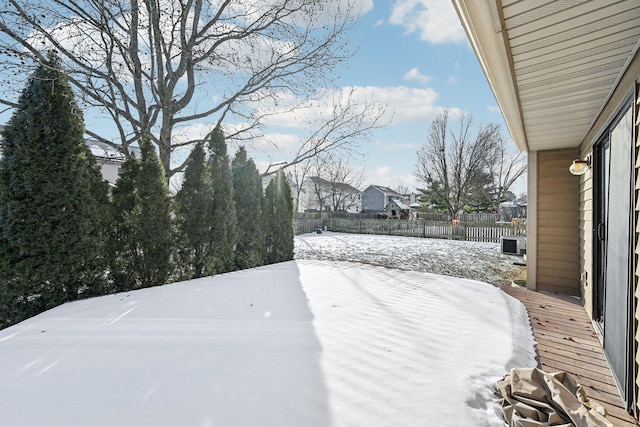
[{"x": 531, "y": 397}]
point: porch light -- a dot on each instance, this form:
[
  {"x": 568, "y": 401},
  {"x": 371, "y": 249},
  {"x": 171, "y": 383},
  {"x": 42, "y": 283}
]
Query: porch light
[{"x": 579, "y": 166}]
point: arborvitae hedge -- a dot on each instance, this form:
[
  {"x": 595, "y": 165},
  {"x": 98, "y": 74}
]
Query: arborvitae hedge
[
  {"x": 249, "y": 201},
  {"x": 123, "y": 251},
  {"x": 278, "y": 216},
  {"x": 195, "y": 218},
  {"x": 51, "y": 196},
  {"x": 224, "y": 211},
  {"x": 155, "y": 237},
  {"x": 143, "y": 245}
]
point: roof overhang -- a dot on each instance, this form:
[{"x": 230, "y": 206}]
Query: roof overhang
[{"x": 552, "y": 65}]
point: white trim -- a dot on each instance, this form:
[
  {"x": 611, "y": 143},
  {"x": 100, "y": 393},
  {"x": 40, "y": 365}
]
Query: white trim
[
  {"x": 478, "y": 19},
  {"x": 609, "y": 97},
  {"x": 532, "y": 220}
]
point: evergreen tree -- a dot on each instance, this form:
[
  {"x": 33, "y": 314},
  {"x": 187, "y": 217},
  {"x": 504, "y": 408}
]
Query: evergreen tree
[
  {"x": 249, "y": 201},
  {"x": 481, "y": 193},
  {"x": 123, "y": 251},
  {"x": 51, "y": 191},
  {"x": 194, "y": 217},
  {"x": 142, "y": 237},
  {"x": 153, "y": 222},
  {"x": 278, "y": 216},
  {"x": 224, "y": 212}
]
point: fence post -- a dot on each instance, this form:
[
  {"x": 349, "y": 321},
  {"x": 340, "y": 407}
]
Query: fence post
[{"x": 478, "y": 232}]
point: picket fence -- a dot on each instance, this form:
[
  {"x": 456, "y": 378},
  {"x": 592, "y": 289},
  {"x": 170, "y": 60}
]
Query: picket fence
[{"x": 477, "y": 232}]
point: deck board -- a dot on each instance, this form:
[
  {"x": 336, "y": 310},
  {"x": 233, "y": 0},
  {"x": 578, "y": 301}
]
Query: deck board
[{"x": 566, "y": 341}]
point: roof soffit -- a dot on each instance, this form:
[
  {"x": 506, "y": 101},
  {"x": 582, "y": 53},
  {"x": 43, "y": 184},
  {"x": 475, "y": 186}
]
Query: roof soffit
[{"x": 565, "y": 57}]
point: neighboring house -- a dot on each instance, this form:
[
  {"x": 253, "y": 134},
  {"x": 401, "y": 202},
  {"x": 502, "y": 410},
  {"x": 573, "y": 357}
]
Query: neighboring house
[
  {"x": 412, "y": 199},
  {"x": 512, "y": 210},
  {"x": 294, "y": 187},
  {"x": 326, "y": 196},
  {"x": 375, "y": 198},
  {"x": 108, "y": 158},
  {"x": 396, "y": 209},
  {"x": 566, "y": 77}
]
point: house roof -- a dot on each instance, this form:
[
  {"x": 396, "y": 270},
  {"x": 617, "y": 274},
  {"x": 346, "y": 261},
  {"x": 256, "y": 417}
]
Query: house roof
[
  {"x": 348, "y": 188},
  {"x": 552, "y": 65},
  {"x": 385, "y": 190},
  {"x": 400, "y": 204},
  {"x": 102, "y": 150},
  {"x": 267, "y": 179}
]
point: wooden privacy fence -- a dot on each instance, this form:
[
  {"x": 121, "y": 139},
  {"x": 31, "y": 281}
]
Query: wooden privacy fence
[
  {"x": 304, "y": 226},
  {"x": 477, "y": 232}
]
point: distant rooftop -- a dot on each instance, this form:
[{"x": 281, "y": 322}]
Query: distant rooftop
[
  {"x": 101, "y": 150},
  {"x": 387, "y": 190}
]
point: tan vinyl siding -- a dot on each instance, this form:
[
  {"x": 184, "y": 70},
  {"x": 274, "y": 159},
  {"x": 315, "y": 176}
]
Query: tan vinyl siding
[
  {"x": 585, "y": 226},
  {"x": 636, "y": 227},
  {"x": 558, "y": 244},
  {"x": 628, "y": 80}
]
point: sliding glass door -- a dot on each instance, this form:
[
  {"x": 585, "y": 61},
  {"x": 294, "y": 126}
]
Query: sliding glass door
[{"x": 612, "y": 237}]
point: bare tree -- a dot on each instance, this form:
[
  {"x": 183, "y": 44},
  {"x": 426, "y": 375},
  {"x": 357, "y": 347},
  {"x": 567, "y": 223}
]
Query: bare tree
[
  {"x": 155, "y": 67},
  {"x": 402, "y": 188},
  {"x": 334, "y": 184},
  {"x": 451, "y": 160},
  {"x": 298, "y": 174},
  {"x": 504, "y": 169},
  {"x": 344, "y": 182}
]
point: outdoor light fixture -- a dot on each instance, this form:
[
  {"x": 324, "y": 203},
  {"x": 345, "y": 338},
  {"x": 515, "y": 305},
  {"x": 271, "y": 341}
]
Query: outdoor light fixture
[{"x": 579, "y": 166}]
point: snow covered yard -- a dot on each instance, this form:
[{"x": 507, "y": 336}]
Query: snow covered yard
[
  {"x": 302, "y": 343},
  {"x": 457, "y": 258}
]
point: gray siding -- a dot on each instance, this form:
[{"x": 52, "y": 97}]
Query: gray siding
[{"x": 373, "y": 199}]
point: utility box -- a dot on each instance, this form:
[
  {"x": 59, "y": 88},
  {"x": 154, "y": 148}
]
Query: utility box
[{"x": 513, "y": 245}]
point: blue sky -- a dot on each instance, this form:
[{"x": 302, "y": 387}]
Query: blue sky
[{"x": 415, "y": 56}]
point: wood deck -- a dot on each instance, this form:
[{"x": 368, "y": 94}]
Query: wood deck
[{"x": 566, "y": 341}]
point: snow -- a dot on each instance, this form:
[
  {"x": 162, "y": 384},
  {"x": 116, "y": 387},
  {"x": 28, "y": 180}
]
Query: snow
[
  {"x": 458, "y": 258},
  {"x": 310, "y": 342},
  {"x": 100, "y": 149}
]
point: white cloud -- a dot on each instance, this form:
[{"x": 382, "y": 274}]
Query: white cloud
[
  {"x": 493, "y": 108},
  {"x": 403, "y": 105},
  {"x": 396, "y": 146},
  {"x": 276, "y": 144},
  {"x": 410, "y": 105},
  {"x": 414, "y": 74},
  {"x": 382, "y": 171},
  {"x": 363, "y": 6},
  {"x": 435, "y": 21},
  {"x": 192, "y": 132},
  {"x": 268, "y": 165},
  {"x": 384, "y": 175},
  {"x": 452, "y": 80},
  {"x": 316, "y": 14}
]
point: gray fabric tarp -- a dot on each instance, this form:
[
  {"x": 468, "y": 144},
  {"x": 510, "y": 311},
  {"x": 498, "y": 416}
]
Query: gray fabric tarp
[{"x": 531, "y": 397}]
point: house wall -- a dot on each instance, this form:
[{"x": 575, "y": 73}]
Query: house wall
[
  {"x": 353, "y": 203},
  {"x": 110, "y": 170},
  {"x": 308, "y": 199},
  {"x": 585, "y": 228},
  {"x": 373, "y": 199},
  {"x": 636, "y": 241},
  {"x": 557, "y": 248},
  {"x": 627, "y": 84}
]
